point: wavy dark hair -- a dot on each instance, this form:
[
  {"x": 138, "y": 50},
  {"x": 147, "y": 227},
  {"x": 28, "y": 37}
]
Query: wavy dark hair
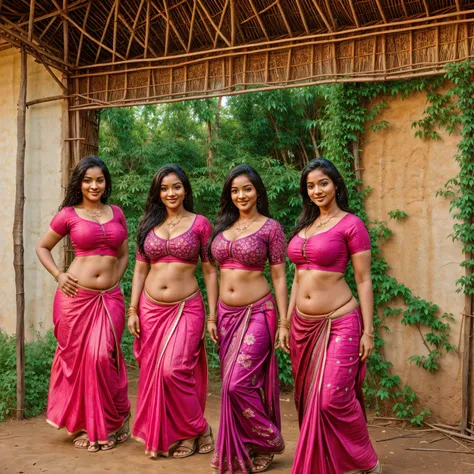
[
  {"x": 228, "y": 212},
  {"x": 155, "y": 210},
  {"x": 74, "y": 193},
  {"x": 310, "y": 210}
]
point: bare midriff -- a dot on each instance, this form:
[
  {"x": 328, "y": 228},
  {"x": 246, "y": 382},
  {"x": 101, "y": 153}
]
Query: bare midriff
[
  {"x": 97, "y": 272},
  {"x": 321, "y": 293},
  {"x": 242, "y": 287},
  {"x": 171, "y": 281}
]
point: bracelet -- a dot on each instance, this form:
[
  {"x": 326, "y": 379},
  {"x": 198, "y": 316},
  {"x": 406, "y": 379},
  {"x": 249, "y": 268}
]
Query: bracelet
[
  {"x": 132, "y": 311},
  {"x": 211, "y": 320},
  {"x": 57, "y": 275},
  {"x": 367, "y": 334},
  {"x": 284, "y": 324}
]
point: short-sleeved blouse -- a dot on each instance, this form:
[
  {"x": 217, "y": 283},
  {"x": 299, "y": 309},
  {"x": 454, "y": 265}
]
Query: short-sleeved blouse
[
  {"x": 90, "y": 237},
  {"x": 330, "y": 250},
  {"x": 252, "y": 251},
  {"x": 184, "y": 248}
]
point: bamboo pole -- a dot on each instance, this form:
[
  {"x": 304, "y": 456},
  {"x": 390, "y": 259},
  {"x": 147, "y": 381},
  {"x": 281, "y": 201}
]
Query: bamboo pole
[
  {"x": 134, "y": 26},
  {"x": 193, "y": 16},
  {"x": 211, "y": 21},
  {"x": 147, "y": 28},
  {"x": 302, "y": 16},
  {"x": 18, "y": 248},
  {"x": 232, "y": 22},
  {"x": 31, "y": 20},
  {"x": 260, "y": 22},
  {"x": 220, "y": 24}
]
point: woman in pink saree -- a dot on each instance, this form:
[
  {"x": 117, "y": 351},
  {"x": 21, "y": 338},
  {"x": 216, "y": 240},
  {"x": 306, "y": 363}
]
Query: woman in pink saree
[
  {"x": 167, "y": 317},
  {"x": 331, "y": 334},
  {"x": 88, "y": 389},
  {"x": 245, "y": 237}
]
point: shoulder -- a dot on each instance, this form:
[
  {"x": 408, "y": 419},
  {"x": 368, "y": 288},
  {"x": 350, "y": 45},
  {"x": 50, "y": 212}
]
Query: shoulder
[
  {"x": 273, "y": 225},
  {"x": 202, "y": 221},
  {"x": 351, "y": 221},
  {"x": 66, "y": 213},
  {"x": 117, "y": 211}
]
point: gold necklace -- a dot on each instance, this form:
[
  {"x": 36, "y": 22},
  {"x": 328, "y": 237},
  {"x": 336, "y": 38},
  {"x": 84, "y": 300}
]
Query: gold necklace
[
  {"x": 95, "y": 214},
  {"x": 241, "y": 229},
  {"x": 322, "y": 224},
  {"x": 173, "y": 224}
]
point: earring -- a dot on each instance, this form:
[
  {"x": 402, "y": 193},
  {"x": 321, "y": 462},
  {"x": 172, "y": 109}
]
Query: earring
[
  {"x": 186, "y": 198},
  {"x": 338, "y": 195}
]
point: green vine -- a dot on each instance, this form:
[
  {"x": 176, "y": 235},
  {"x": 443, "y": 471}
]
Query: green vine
[{"x": 348, "y": 118}]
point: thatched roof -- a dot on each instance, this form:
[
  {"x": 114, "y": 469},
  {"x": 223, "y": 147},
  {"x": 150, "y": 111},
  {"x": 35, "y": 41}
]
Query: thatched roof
[{"x": 151, "y": 50}]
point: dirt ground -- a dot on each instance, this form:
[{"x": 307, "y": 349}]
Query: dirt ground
[{"x": 33, "y": 446}]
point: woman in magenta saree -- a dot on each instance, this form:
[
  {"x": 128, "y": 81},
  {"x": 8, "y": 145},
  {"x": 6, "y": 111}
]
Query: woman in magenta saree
[
  {"x": 331, "y": 334},
  {"x": 167, "y": 317},
  {"x": 88, "y": 389},
  {"x": 245, "y": 327}
]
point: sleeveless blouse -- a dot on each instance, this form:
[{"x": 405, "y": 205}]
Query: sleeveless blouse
[
  {"x": 330, "y": 251},
  {"x": 253, "y": 251},
  {"x": 90, "y": 237},
  {"x": 184, "y": 248}
]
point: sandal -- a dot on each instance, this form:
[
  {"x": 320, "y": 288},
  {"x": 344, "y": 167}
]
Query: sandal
[
  {"x": 110, "y": 444},
  {"x": 81, "y": 441},
  {"x": 205, "y": 442},
  {"x": 93, "y": 447},
  {"x": 376, "y": 470},
  {"x": 182, "y": 451},
  {"x": 261, "y": 462},
  {"x": 123, "y": 433}
]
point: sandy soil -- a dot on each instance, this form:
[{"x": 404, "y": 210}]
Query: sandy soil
[{"x": 32, "y": 446}]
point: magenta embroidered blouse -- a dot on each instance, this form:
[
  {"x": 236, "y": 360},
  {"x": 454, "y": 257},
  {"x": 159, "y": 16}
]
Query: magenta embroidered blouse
[
  {"x": 184, "y": 248},
  {"x": 253, "y": 251},
  {"x": 90, "y": 237},
  {"x": 330, "y": 251}
]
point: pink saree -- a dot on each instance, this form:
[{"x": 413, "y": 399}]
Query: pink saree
[
  {"x": 88, "y": 389},
  {"x": 250, "y": 411},
  {"x": 172, "y": 385},
  {"x": 328, "y": 393}
]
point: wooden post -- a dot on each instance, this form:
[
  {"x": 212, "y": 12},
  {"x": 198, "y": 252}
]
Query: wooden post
[{"x": 18, "y": 249}]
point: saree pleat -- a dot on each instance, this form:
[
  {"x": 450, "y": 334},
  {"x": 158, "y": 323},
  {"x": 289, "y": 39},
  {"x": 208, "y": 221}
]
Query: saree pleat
[
  {"x": 328, "y": 394},
  {"x": 88, "y": 388},
  {"x": 172, "y": 385},
  {"x": 250, "y": 410}
]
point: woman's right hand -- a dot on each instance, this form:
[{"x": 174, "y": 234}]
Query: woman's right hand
[
  {"x": 134, "y": 325},
  {"x": 212, "y": 330},
  {"x": 68, "y": 284}
]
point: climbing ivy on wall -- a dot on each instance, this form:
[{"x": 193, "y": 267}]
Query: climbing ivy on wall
[{"x": 350, "y": 113}]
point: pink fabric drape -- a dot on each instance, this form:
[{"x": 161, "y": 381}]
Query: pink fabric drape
[
  {"x": 250, "y": 406},
  {"x": 328, "y": 393},
  {"x": 88, "y": 389},
  {"x": 172, "y": 386}
]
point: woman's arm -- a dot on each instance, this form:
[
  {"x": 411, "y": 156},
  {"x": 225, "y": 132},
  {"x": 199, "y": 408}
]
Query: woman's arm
[
  {"x": 278, "y": 275},
  {"x": 122, "y": 259},
  {"x": 363, "y": 278},
  {"x": 66, "y": 281},
  {"x": 138, "y": 283},
  {"x": 284, "y": 329},
  {"x": 209, "y": 272}
]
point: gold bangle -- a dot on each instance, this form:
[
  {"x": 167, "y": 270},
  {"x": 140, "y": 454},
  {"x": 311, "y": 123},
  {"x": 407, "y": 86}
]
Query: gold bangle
[
  {"x": 284, "y": 324},
  {"x": 211, "y": 320},
  {"x": 370, "y": 335}
]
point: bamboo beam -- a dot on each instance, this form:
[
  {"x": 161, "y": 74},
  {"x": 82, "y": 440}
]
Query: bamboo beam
[
  {"x": 65, "y": 34},
  {"x": 31, "y": 19},
  {"x": 48, "y": 26},
  {"x": 382, "y": 14},
  {"x": 404, "y": 8},
  {"x": 167, "y": 37},
  {"x": 211, "y": 21},
  {"x": 302, "y": 16},
  {"x": 427, "y": 8},
  {"x": 232, "y": 22},
  {"x": 51, "y": 73},
  {"x": 322, "y": 15},
  {"x": 193, "y": 17},
  {"x": 107, "y": 23},
  {"x": 458, "y": 5},
  {"x": 354, "y": 14},
  {"x": 74, "y": 6},
  {"x": 285, "y": 20},
  {"x": 114, "y": 36},
  {"x": 260, "y": 22},
  {"x": 18, "y": 246},
  {"x": 147, "y": 28},
  {"x": 137, "y": 39},
  {"x": 84, "y": 23},
  {"x": 331, "y": 16},
  {"x": 48, "y": 99},
  {"x": 134, "y": 26},
  {"x": 220, "y": 24},
  {"x": 203, "y": 21}
]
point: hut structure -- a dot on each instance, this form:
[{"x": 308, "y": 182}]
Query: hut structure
[{"x": 61, "y": 61}]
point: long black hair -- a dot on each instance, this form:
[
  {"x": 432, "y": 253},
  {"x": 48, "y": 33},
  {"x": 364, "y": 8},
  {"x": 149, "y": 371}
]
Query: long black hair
[
  {"x": 310, "y": 210},
  {"x": 228, "y": 212},
  {"x": 74, "y": 192},
  {"x": 155, "y": 210}
]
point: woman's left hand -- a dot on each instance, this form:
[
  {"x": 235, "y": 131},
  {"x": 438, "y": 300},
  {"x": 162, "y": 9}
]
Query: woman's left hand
[{"x": 366, "y": 347}]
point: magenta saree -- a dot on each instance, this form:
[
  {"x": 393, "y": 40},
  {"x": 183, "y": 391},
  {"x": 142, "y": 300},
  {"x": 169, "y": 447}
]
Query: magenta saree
[
  {"x": 88, "y": 389},
  {"x": 172, "y": 385},
  {"x": 250, "y": 411},
  {"x": 328, "y": 393}
]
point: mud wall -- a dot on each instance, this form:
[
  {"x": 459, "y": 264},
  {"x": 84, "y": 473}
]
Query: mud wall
[{"x": 405, "y": 173}]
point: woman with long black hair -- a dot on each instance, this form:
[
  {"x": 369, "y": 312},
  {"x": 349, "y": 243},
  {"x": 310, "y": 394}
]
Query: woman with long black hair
[
  {"x": 332, "y": 334},
  {"x": 244, "y": 239},
  {"x": 167, "y": 317},
  {"x": 88, "y": 389}
]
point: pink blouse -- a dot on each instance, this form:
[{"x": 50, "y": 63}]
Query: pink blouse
[
  {"x": 329, "y": 251},
  {"x": 89, "y": 237},
  {"x": 184, "y": 248},
  {"x": 253, "y": 251}
]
